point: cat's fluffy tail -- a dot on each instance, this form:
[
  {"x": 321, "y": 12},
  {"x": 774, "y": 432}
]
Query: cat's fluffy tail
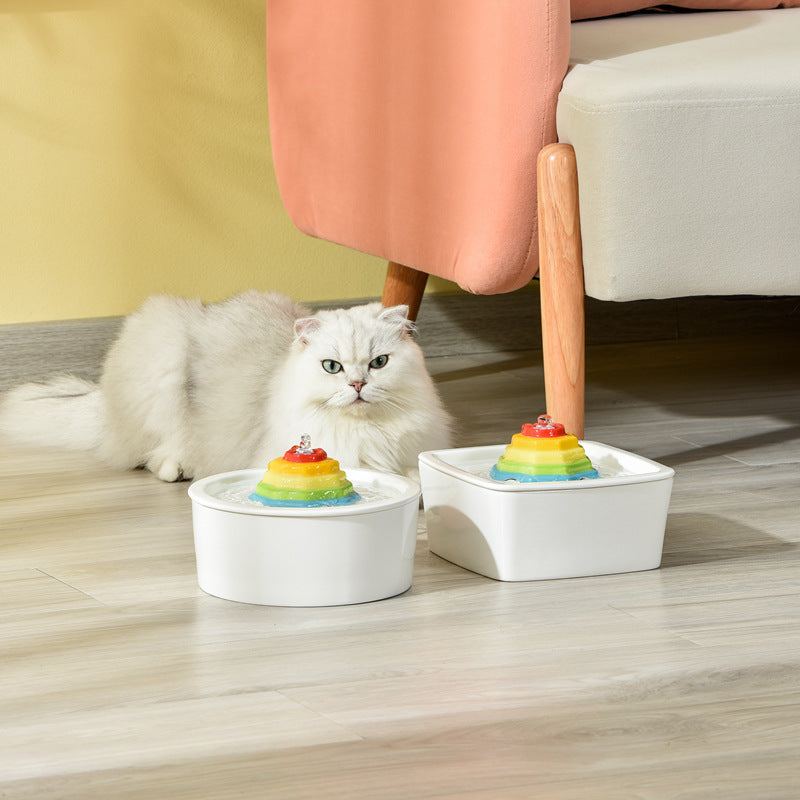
[{"x": 62, "y": 412}]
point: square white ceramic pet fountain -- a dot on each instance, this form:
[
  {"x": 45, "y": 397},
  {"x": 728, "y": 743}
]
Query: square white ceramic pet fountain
[
  {"x": 536, "y": 509},
  {"x": 304, "y": 533}
]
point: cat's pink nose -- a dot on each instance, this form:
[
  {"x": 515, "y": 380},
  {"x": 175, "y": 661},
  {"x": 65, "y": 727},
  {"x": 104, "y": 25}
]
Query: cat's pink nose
[{"x": 358, "y": 386}]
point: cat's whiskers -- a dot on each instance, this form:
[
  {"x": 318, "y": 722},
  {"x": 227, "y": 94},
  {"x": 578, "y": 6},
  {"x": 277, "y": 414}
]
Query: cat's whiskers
[
  {"x": 386, "y": 398},
  {"x": 324, "y": 405}
]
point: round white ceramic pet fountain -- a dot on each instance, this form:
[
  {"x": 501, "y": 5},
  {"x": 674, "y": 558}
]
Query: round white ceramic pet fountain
[{"x": 304, "y": 533}]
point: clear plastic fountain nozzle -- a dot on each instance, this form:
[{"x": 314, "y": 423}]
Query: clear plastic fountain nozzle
[{"x": 305, "y": 444}]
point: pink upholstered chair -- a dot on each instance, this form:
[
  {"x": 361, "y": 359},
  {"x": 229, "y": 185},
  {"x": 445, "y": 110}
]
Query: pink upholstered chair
[{"x": 415, "y": 131}]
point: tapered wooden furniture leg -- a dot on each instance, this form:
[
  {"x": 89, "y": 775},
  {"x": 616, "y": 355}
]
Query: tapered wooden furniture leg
[
  {"x": 404, "y": 286},
  {"x": 561, "y": 285}
]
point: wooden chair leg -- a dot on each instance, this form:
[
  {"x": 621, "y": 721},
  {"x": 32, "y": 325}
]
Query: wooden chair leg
[
  {"x": 404, "y": 286},
  {"x": 561, "y": 284}
]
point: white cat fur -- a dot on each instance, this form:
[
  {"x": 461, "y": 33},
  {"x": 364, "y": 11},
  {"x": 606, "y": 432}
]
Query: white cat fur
[{"x": 189, "y": 390}]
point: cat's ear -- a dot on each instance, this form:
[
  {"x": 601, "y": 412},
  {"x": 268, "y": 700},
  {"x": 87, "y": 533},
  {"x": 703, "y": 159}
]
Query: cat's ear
[
  {"x": 303, "y": 328},
  {"x": 397, "y": 316}
]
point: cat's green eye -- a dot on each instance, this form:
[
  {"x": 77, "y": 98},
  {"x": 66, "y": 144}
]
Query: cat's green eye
[
  {"x": 379, "y": 362},
  {"x": 329, "y": 365}
]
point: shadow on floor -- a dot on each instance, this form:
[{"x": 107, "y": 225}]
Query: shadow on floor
[
  {"x": 735, "y": 444},
  {"x": 693, "y": 538}
]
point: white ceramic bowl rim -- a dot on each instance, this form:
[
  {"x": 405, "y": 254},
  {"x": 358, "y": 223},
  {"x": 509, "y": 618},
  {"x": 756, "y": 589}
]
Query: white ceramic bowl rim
[
  {"x": 641, "y": 469},
  {"x": 403, "y": 490}
]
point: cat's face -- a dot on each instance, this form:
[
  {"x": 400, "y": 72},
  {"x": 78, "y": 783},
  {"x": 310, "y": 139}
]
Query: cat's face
[{"x": 359, "y": 361}]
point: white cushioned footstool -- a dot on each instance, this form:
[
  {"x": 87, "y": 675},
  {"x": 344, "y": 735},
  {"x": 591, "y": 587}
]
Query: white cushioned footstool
[{"x": 686, "y": 130}]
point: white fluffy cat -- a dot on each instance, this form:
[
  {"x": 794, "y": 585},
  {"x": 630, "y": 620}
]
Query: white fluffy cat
[{"x": 188, "y": 390}]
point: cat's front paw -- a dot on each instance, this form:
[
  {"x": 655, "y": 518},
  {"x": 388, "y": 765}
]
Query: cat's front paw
[{"x": 167, "y": 470}]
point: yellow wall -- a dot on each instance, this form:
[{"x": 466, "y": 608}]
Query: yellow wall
[{"x": 134, "y": 159}]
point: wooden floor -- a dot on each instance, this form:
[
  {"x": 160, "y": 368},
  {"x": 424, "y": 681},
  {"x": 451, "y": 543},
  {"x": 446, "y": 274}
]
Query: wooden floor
[{"x": 121, "y": 679}]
